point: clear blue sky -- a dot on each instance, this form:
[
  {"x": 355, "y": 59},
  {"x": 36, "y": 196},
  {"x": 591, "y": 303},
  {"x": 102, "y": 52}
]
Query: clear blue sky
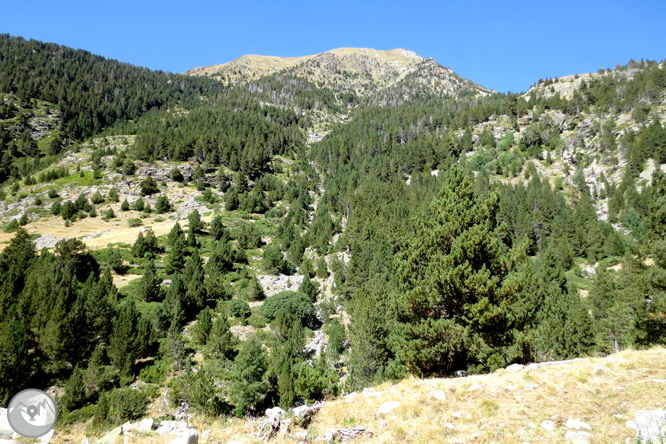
[{"x": 505, "y": 46}]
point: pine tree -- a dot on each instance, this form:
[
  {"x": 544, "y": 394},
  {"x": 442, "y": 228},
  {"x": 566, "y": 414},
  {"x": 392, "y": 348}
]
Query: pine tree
[
  {"x": 150, "y": 283},
  {"x": 123, "y": 348},
  {"x": 454, "y": 285},
  {"x": 248, "y": 372}
]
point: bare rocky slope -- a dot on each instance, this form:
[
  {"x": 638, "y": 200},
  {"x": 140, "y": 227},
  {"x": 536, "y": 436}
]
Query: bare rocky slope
[{"x": 361, "y": 70}]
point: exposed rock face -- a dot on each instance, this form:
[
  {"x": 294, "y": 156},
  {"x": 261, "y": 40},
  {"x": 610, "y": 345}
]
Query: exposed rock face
[{"x": 273, "y": 285}]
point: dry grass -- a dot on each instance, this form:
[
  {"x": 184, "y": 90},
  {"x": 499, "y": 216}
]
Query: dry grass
[
  {"x": 509, "y": 409},
  {"x": 114, "y": 231}
]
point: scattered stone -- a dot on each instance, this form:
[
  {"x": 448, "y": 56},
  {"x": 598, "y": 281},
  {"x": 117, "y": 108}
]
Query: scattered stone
[
  {"x": 577, "y": 424},
  {"x": 190, "y": 436},
  {"x": 47, "y": 240},
  {"x": 577, "y": 437},
  {"x": 348, "y": 434},
  {"x": 600, "y": 368},
  {"x": 631, "y": 424},
  {"x": 548, "y": 425},
  {"x": 145, "y": 425},
  {"x": 457, "y": 415},
  {"x": 650, "y": 425},
  {"x": 658, "y": 381},
  {"x": 304, "y": 414},
  {"x": 475, "y": 388},
  {"x": 460, "y": 373},
  {"x": 531, "y": 425},
  {"x": 111, "y": 436},
  {"x": 275, "y": 412},
  {"x": 448, "y": 425},
  {"x": 387, "y": 407},
  {"x": 171, "y": 427},
  {"x": 531, "y": 386},
  {"x": 515, "y": 368},
  {"x": 438, "y": 395},
  {"x": 533, "y": 368}
]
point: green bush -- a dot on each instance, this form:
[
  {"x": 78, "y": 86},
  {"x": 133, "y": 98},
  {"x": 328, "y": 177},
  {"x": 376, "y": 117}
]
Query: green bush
[
  {"x": 239, "y": 309},
  {"x": 134, "y": 222},
  {"x": 294, "y": 305},
  {"x": 155, "y": 374},
  {"x": 120, "y": 405}
]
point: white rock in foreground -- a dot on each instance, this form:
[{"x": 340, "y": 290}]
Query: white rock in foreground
[
  {"x": 577, "y": 424},
  {"x": 387, "y": 407},
  {"x": 548, "y": 425},
  {"x": 650, "y": 425},
  {"x": 190, "y": 436},
  {"x": 438, "y": 394},
  {"x": 577, "y": 437}
]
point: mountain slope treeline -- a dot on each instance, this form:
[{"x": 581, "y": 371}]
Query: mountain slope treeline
[{"x": 92, "y": 92}]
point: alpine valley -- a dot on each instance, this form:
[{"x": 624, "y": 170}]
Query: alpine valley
[{"x": 361, "y": 238}]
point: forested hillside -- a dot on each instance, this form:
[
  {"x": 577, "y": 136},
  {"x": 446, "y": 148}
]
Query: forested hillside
[{"x": 193, "y": 238}]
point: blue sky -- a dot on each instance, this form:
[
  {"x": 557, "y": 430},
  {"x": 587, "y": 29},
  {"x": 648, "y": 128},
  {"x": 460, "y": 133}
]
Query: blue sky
[{"x": 505, "y": 46}]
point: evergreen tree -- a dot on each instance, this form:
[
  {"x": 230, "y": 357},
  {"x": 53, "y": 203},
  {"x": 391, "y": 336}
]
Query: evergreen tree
[
  {"x": 455, "y": 286},
  {"x": 248, "y": 372}
]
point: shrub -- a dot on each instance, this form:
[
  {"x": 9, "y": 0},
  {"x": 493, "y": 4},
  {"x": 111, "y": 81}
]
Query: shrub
[
  {"x": 121, "y": 405},
  {"x": 149, "y": 186},
  {"x": 176, "y": 175},
  {"x": 296, "y": 306},
  {"x": 239, "y": 309},
  {"x": 124, "y": 206},
  {"x": 162, "y": 205},
  {"x": 154, "y": 374},
  {"x": 134, "y": 222}
]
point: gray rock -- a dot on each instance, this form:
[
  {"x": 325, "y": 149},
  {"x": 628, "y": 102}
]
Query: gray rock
[
  {"x": 650, "y": 426},
  {"x": 475, "y": 388},
  {"x": 387, "y": 407},
  {"x": 577, "y": 437},
  {"x": 438, "y": 395},
  {"x": 111, "y": 436},
  {"x": 515, "y": 368},
  {"x": 171, "y": 427},
  {"x": 144, "y": 426},
  {"x": 548, "y": 425},
  {"x": 577, "y": 424},
  {"x": 190, "y": 436},
  {"x": 275, "y": 412}
]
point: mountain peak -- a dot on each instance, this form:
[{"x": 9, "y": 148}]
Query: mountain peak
[{"x": 250, "y": 67}]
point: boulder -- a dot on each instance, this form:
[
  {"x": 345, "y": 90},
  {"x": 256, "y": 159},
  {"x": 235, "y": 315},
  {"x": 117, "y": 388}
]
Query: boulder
[
  {"x": 577, "y": 424},
  {"x": 475, "y": 388},
  {"x": 548, "y": 425},
  {"x": 515, "y": 368},
  {"x": 577, "y": 437},
  {"x": 650, "y": 425},
  {"x": 190, "y": 436},
  {"x": 438, "y": 395},
  {"x": 111, "y": 436}
]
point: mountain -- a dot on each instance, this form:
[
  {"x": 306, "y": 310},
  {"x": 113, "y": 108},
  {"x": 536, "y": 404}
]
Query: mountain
[{"x": 361, "y": 70}]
